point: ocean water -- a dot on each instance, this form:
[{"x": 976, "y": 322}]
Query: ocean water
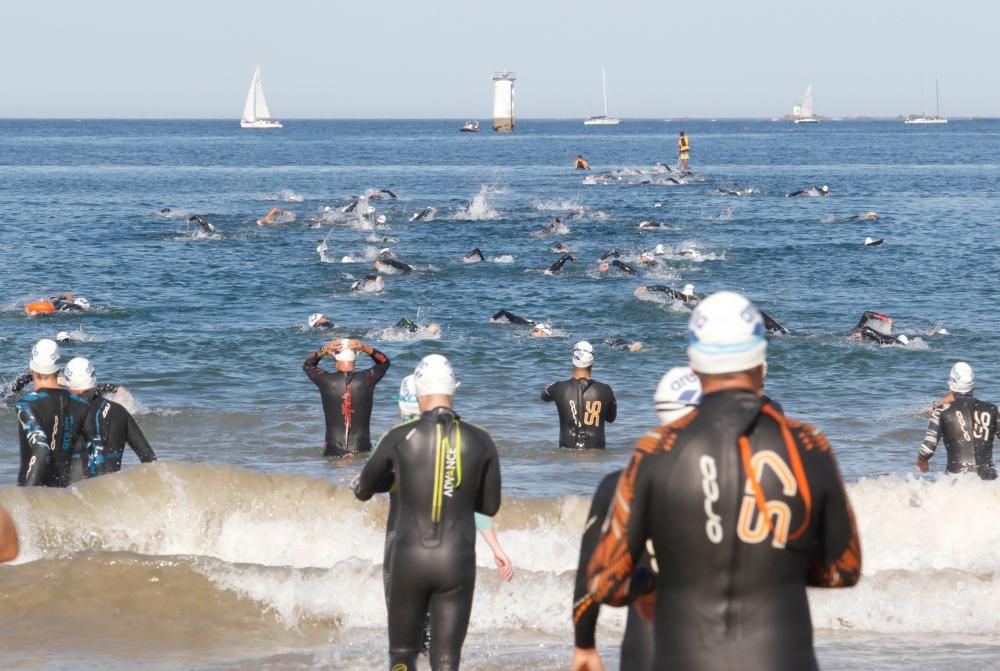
[{"x": 243, "y": 548}]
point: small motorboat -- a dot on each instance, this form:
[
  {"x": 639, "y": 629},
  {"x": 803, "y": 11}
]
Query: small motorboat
[{"x": 470, "y": 127}]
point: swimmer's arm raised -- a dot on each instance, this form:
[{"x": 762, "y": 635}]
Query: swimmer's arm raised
[
  {"x": 311, "y": 365},
  {"x": 382, "y": 362},
  {"x": 838, "y": 560}
]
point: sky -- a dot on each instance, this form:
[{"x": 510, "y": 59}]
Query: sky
[{"x": 435, "y": 59}]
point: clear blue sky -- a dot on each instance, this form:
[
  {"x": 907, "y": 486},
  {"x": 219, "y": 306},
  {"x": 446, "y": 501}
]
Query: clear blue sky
[{"x": 336, "y": 59}]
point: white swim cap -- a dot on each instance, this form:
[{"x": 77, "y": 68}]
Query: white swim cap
[
  {"x": 903, "y": 339},
  {"x": 44, "y": 357},
  {"x": 408, "y": 397},
  {"x": 688, "y": 290},
  {"x": 583, "y": 354},
  {"x": 314, "y": 319},
  {"x": 63, "y": 336},
  {"x": 726, "y": 335},
  {"x": 660, "y": 249},
  {"x": 434, "y": 375},
  {"x": 544, "y": 329},
  {"x": 677, "y": 394},
  {"x": 346, "y": 353},
  {"x": 869, "y": 241},
  {"x": 79, "y": 374},
  {"x": 961, "y": 380},
  {"x": 82, "y": 302},
  {"x": 824, "y": 188}
]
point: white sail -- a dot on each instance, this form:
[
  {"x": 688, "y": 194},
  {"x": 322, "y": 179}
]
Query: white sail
[
  {"x": 255, "y": 112},
  {"x": 807, "y": 102}
]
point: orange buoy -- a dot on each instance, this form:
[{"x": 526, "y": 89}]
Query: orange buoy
[{"x": 39, "y": 307}]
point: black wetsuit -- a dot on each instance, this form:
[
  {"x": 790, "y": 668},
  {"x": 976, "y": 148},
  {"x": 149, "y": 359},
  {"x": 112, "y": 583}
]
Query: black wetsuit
[
  {"x": 404, "y": 268},
  {"x": 408, "y": 324},
  {"x": 423, "y": 214},
  {"x": 347, "y": 403},
  {"x": 475, "y": 254},
  {"x": 611, "y": 253},
  {"x": 359, "y": 284},
  {"x": 448, "y": 470},
  {"x": 868, "y": 333},
  {"x": 624, "y": 267},
  {"x": 557, "y": 266},
  {"x": 619, "y": 344},
  {"x": 113, "y": 426},
  {"x": 511, "y": 317},
  {"x": 731, "y": 591},
  {"x": 63, "y": 305},
  {"x": 771, "y": 325},
  {"x": 584, "y": 407},
  {"x": 54, "y": 437},
  {"x": 691, "y": 300},
  {"x": 205, "y": 226},
  {"x": 639, "y": 643},
  {"x": 968, "y": 427},
  {"x": 10, "y": 390}
]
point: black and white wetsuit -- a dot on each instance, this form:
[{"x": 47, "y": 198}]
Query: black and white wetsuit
[
  {"x": 584, "y": 405},
  {"x": 112, "y": 426},
  {"x": 347, "y": 403},
  {"x": 731, "y": 587},
  {"x": 54, "y": 435},
  {"x": 447, "y": 469},
  {"x": 639, "y": 643},
  {"x": 968, "y": 427}
]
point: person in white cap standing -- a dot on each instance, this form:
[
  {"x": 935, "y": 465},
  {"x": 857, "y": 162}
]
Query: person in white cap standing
[
  {"x": 967, "y": 425},
  {"x": 111, "y": 426},
  {"x": 584, "y": 404},
  {"x": 346, "y": 395},
  {"x": 677, "y": 394},
  {"x": 445, "y": 469},
  {"x": 51, "y": 424},
  {"x": 744, "y": 509}
]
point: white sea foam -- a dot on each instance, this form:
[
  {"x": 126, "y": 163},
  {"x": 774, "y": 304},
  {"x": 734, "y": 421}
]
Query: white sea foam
[{"x": 479, "y": 208}]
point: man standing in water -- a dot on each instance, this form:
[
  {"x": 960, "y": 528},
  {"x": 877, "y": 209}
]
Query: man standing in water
[
  {"x": 346, "y": 395},
  {"x": 584, "y": 404},
  {"x": 683, "y": 152},
  {"x": 445, "y": 470},
  {"x": 967, "y": 425},
  {"x": 51, "y": 425},
  {"x": 744, "y": 508}
]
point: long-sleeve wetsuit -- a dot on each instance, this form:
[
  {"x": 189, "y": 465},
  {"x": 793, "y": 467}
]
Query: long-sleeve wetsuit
[
  {"x": 347, "y": 402},
  {"x": 968, "y": 426},
  {"x": 557, "y": 266},
  {"x": 52, "y": 425},
  {"x": 510, "y": 317},
  {"x": 448, "y": 469},
  {"x": 638, "y": 645},
  {"x": 112, "y": 426},
  {"x": 9, "y": 391},
  {"x": 731, "y": 587},
  {"x": 584, "y": 407}
]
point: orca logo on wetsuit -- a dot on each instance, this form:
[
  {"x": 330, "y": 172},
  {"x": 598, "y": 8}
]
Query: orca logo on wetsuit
[
  {"x": 710, "y": 487},
  {"x": 981, "y": 424},
  {"x": 754, "y": 531}
]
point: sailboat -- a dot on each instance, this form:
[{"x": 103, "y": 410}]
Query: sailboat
[
  {"x": 602, "y": 119},
  {"x": 804, "y": 114},
  {"x": 937, "y": 118},
  {"x": 255, "y": 112}
]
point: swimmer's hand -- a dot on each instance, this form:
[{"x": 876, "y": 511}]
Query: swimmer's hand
[
  {"x": 504, "y": 565},
  {"x": 921, "y": 465},
  {"x": 586, "y": 659}
]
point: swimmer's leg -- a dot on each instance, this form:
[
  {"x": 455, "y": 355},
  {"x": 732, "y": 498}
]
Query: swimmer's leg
[
  {"x": 409, "y": 598},
  {"x": 450, "y": 612}
]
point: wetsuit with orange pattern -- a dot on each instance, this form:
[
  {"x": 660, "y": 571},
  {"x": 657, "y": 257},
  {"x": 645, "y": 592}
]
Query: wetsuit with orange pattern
[
  {"x": 731, "y": 587},
  {"x": 347, "y": 402}
]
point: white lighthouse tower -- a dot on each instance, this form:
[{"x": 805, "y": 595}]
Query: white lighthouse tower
[{"x": 503, "y": 101}]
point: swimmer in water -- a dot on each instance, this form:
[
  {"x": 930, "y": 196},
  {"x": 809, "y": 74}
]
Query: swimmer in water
[
  {"x": 552, "y": 226},
  {"x": 67, "y": 302},
  {"x": 425, "y": 214},
  {"x": 772, "y": 326},
  {"x": 475, "y": 256},
  {"x": 445, "y": 470},
  {"x": 585, "y": 405},
  {"x": 205, "y": 226},
  {"x": 741, "y": 579},
  {"x": 872, "y": 242},
  {"x": 541, "y": 331},
  {"x": 650, "y": 225},
  {"x": 557, "y": 266},
  {"x": 969, "y": 450},
  {"x": 622, "y": 344},
  {"x": 626, "y": 268},
  {"x": 687, "y": 295},
  {"x": 275, "y": 216},
  {"x": 388, "y": 193},
  {"x": 507, "y": 317},
  {"x": 811, "y": 192},
  {"x": 391, "y": 266},
  {"x": 877, "y": 327},
  {"x": 369, "y": 284},
  {"x": 405, "y": 324},
  {"x": 166, "y": 211},
  {"x": 346, "y": 394},
  {"x": 318, "y": 321},
  {"x": 581, "y": 163},
  {"x": 560, "y": 249},
  {"x": 71, "y": 336},
  {"x": 113, "y": 425},
  {"x": 677, "y": 394},
  {"x": 609, "y": 254}
]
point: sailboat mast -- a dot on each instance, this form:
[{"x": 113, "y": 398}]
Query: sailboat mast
[
  {"x": 937, "y": 99},
  {"x": 604, "y": 88}
]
